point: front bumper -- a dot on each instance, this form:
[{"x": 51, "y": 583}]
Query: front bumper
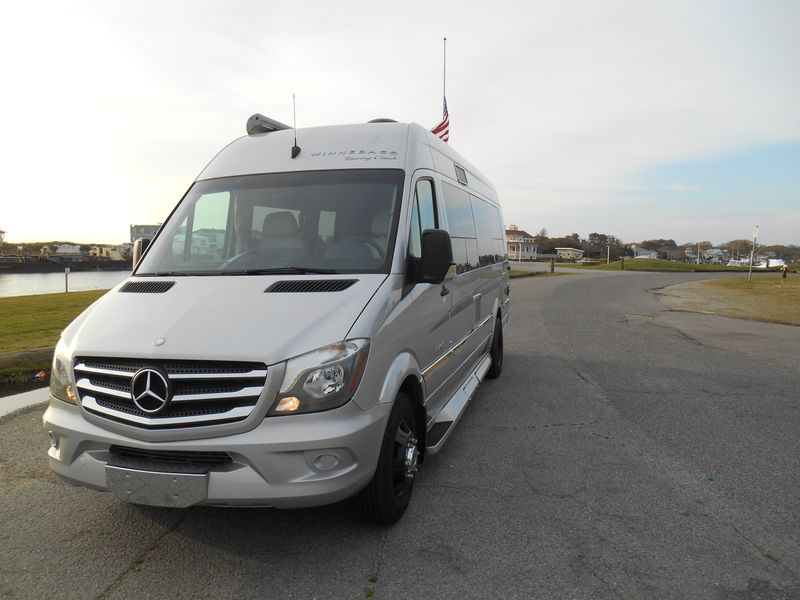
[{"x": 285, "y": 462}]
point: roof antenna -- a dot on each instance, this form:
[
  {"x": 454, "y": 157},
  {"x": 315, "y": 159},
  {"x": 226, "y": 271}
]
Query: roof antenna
[{"x": 295, "y": 148}]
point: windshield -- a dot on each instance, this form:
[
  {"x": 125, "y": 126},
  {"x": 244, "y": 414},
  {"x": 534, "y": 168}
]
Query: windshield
[{"x": 306, "y": 222}]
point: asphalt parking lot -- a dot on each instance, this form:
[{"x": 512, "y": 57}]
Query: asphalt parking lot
[{"x": 625, "y": 452}]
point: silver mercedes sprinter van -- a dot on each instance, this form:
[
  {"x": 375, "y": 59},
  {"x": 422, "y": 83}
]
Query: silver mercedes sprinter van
[{"x": 308, "y": 324}]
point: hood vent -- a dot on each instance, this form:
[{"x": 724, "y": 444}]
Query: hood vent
[
  {"x": 146, "y": 287},
  {"x": 303, "y": 285}
]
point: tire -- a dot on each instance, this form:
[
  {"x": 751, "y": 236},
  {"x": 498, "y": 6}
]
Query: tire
[
  {"x": 496, "y": 351},
  {"x": 386, "y": 497}
]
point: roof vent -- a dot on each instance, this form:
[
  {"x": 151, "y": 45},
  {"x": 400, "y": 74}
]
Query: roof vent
[
  {"x": 261, "y": 124},
  {"x": 146, "y": 287},
  {"x": 305, "y": 285},
  {"x": 382, "y": 120}
]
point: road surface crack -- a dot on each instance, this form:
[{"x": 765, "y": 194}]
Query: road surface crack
[{"x": 137, "y": 562}]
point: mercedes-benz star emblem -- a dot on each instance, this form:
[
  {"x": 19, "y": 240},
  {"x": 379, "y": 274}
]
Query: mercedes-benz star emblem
[{"x": 151, "y": 390}]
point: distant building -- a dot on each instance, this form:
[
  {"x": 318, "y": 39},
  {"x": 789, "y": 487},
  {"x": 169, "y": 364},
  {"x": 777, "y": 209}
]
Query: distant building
[
  {"x": 715, "y": 256},
  {"x": 569, "y": 253},
  {"x": 143, "y": 232},
  {"x": 520, "y": 244},
  {"x": 678, "y": 254},
  {"x": 105, "y": 253},
  {"x": 68, "y": 250},
  {"x": 639, "y": 252}
]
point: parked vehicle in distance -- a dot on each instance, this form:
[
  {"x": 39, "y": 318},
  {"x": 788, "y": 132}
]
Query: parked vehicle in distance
[
  {"x": 770, "y": 263},
  {"x": 309, "y": 323}
]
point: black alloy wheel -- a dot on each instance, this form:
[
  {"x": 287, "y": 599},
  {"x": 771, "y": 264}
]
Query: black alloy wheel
[
  {"x": 496, "y": 351},
  {"x": 386, "y": 497}
]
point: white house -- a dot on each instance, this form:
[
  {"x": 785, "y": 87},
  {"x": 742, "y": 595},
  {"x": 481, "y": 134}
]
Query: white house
[
  {"x": 639, "y": 252},
  {"x": 520, "y": 244}
]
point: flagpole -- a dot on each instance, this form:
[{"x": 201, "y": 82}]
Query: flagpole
[
  {"x": 442, "y": 130},
  {"x": 444, "y": 71}
]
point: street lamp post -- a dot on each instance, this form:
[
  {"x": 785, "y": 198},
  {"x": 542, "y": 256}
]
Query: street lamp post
[{"x": 752, "y": 253}]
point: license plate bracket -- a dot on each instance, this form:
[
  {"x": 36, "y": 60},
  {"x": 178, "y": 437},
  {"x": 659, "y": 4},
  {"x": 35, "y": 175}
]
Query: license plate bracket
[{"x": 154, "y": 488}]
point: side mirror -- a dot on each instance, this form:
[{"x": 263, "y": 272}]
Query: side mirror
[
  {"x": 139, "y": 248},
  {"x": 437, "y": 255}
]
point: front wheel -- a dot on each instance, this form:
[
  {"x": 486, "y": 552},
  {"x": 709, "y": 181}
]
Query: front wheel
[
  {"x": 496, "y": 351},
  {"x": 386, "y": 497}
]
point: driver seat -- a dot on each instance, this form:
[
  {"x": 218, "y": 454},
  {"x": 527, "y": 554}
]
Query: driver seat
[{"x": 280, "y": 232}]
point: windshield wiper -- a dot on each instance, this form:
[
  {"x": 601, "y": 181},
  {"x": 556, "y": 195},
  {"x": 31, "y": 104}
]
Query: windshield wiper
[
  {"x": 281, "y": 271},
  {"x": 168, "y": 274}
]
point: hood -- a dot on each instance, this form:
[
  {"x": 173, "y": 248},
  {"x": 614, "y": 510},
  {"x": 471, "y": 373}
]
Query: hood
[{"x": 221, "y": 318}]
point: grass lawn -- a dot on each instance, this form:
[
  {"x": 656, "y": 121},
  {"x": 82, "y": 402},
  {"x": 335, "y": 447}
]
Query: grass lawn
[
  {"x": 656, "y": 264},
  {"x": 28, "y": 322},
  {"x": 766, "y": 298}
]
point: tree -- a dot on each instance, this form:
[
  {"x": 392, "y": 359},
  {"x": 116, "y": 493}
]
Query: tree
[
  {"x": 661, "y": 246},
  {"x": 540, "y": 239},
  {"x": 598, "y": 240},
  {"x": 600, "y": 245},
  {"x": 738, "y": 248}
]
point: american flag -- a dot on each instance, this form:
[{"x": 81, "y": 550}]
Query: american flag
[{"x": 442, "y": 130}]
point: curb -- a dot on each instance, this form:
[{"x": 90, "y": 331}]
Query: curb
[{"x": 10, "y": 405}]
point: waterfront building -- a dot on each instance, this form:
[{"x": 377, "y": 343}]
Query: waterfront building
[{"x": 106, "y": 253}]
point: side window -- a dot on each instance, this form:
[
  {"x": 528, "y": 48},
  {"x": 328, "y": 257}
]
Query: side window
[
  {"x": 461, "y": 224},
  {"x": 209, "y": 223},
  {"x": 489, "y": 230},
  {"x": 459, "y": 212},
  {"x": 423, "y": 215},
  {"x": 427, "y": 205},
  {"x": 415, "y": 239},
  {"x": 497, "y": 227},
  {"x": 327, "y": 225},
  {"x": 485, "y": 231}
]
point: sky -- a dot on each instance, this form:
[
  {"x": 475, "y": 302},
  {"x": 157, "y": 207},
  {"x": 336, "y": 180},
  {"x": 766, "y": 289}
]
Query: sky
[{"x": 641, "y": 120}]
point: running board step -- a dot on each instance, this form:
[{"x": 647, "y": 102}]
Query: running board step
[{"x": 448, "y": 417}]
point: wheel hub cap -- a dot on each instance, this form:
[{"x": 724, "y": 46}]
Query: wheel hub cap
[{"x": 411, "y": 457}]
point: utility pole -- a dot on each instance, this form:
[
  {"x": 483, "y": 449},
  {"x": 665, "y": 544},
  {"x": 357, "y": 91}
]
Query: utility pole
[
  {"x": 752, "y": 253},
  {"x": 608, "y": 255}
]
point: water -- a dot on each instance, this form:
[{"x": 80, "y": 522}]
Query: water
[{"x": 28, "y": 284}]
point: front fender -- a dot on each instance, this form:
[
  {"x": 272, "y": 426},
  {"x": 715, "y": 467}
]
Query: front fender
[{"x": 402, "y": 366}]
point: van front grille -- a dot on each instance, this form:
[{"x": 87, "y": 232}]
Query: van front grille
[
  {"x": 172, "y": 455},
  {"x": 202, "y": 392}
]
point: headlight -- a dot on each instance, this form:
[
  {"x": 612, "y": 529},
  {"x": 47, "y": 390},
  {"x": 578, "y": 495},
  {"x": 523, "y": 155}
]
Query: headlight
[
  {"x": 61, "y": 384},
  {"x": 323, "y": 379}
]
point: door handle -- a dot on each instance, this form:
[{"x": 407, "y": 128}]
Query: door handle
[
  {"x": 444, "y": 291},
  {"x": 476, "y": 297}
]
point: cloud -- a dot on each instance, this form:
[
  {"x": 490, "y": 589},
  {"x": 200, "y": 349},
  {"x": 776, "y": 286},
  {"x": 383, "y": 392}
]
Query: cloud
[{"x": 560, "y": 104}]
